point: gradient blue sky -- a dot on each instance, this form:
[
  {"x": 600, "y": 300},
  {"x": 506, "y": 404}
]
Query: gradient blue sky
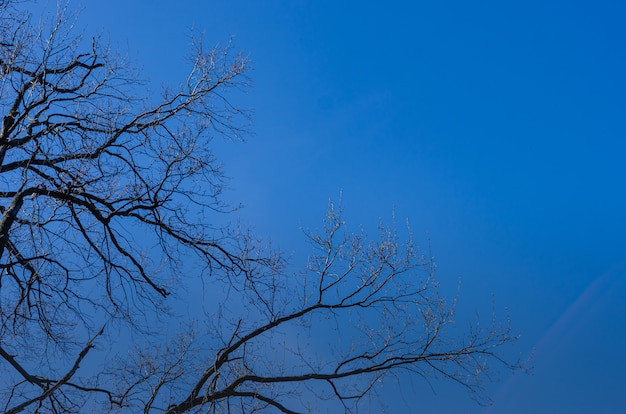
[{"x": 498, "y": 128}]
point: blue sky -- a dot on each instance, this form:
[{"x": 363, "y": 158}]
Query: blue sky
[{"x": 497, "y": 128}]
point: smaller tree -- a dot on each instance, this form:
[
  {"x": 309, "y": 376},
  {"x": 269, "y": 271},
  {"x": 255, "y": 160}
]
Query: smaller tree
[{"x": 362, "y": 312}]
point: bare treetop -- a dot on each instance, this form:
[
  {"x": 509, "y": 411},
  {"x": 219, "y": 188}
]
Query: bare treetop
[{"x": 105, "y": 198}]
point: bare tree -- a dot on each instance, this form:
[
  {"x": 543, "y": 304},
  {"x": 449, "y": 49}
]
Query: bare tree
[{"x": 106, "y": 198}]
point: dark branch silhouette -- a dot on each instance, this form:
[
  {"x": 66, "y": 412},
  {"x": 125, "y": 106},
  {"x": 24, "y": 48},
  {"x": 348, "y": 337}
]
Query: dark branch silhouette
[{"x": 110, "y": 199}]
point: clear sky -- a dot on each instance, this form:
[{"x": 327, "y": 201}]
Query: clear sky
[{"x": 498, "y": 128}]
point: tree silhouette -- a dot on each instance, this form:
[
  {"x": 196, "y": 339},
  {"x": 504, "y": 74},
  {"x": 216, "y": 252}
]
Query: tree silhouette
[{"x": 107, "y": 203}]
